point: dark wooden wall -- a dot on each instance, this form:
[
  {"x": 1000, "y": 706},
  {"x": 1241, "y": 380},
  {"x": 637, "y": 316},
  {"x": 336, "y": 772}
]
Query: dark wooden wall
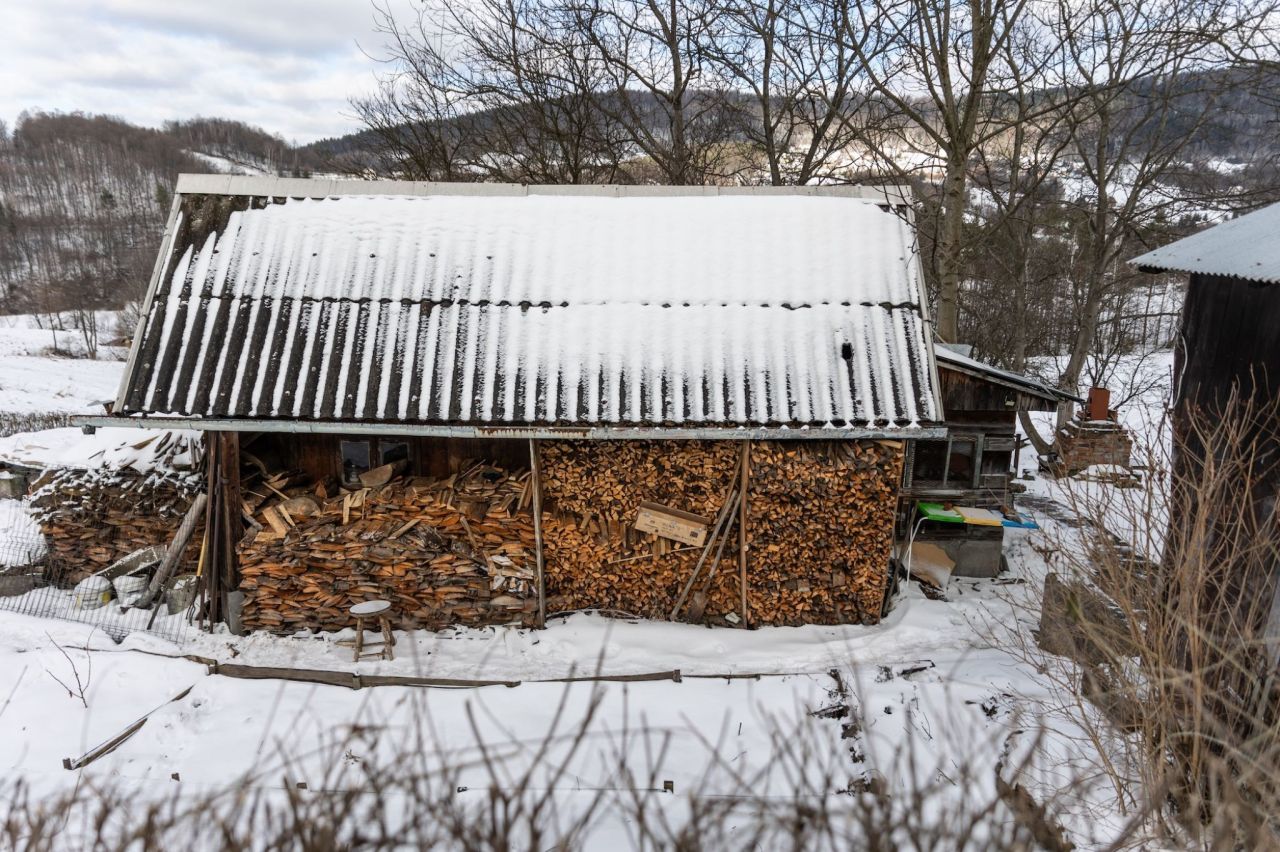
[
  {"x": 1230, "y": 335},
  {"x": 320, "y": 456},
  {"x": 1230, "y": 340},
  {"x": 962, "y": 392}
]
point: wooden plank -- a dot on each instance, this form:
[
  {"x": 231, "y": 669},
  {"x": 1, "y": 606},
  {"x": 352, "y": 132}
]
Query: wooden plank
[
  {"x": 742, "y": 532},
  {"x": 667, "y": 522},
  {"x": 403, "y": 529},
  {"x": 113, "y": 743},
  {"x": 275, "y": 520},
  {"x": 535, "y": 478}
]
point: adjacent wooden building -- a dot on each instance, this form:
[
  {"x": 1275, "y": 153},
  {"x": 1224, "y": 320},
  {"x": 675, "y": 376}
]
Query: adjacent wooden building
[
  {"x": 1227, "y": 366},
  {"x": 972, "y": 466}
]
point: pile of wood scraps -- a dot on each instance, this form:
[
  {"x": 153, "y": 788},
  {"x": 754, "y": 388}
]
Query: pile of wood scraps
[
  {"x": 92, "y": 518},
  {"x": 458, "y": 550}
]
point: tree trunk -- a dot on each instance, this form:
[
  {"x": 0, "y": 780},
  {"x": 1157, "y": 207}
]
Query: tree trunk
[
  {"x": 1042, "y": 446},
  {"x": 950, "y": 238}
]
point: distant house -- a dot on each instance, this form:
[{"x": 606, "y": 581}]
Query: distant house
[
  {"x": 1227, "y": 359},
  {"x": 490, "y": 402}
]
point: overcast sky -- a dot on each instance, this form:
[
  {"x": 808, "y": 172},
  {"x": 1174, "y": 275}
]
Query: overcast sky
[{"x": 288, "y": 66}]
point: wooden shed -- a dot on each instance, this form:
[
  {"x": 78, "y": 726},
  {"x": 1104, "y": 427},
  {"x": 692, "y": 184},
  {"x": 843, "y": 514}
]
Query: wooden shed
[
  {"x": 972, "y": 466},
  {"x": 490, "y": 403},
  {"x": 1227, "y": 366}
]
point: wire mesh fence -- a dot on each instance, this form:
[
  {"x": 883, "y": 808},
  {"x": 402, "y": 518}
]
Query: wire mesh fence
[{"x": 34, "y": 583}]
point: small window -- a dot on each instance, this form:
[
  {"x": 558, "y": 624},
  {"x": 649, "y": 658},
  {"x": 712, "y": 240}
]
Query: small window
[
  {"x": 960, "y": 464},
  {"x": 356, "y": 459},
  {"x": 996, "y": 462},
  {"x": 931, "y": 461},
  {"x": 393, "y": 451}
]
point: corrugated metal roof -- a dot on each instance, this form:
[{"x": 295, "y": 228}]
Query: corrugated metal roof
[
  {"x": 541, "y": 309},
  {"x": 1247, "y": 247},
  {"x": 947, "y": 356}
]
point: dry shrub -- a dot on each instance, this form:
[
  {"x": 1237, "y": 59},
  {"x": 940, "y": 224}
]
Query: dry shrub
[
  {"x": 1164, "y": 601},
  {"x": 518, "y": 794}
]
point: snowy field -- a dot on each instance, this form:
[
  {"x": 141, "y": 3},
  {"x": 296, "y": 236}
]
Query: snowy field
[
  {"x": 945, "y": 696},
  {"x": 946, "y": 691},
  {"x": 34, "y": 380}
]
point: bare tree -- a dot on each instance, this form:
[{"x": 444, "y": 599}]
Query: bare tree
[
  {"x": 416, "y": 121},
  {"x": 498, "y": 90},
  {"x": 944, "y": 68},
  {"x": 1148, "y": 79},
  {"x": 663, "y": 90},
  {"x": 805, "y": 107}
]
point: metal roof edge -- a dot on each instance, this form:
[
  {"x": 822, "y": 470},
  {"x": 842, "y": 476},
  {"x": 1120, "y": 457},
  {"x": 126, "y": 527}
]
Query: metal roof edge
[
  {"x": 1242, "y": 248},
  {"x": 1042, "y": 391},
  {"x": 1024, "y": 384},
  {"x": 592, "y": 433},
  {"x": 221, "y": 184}
]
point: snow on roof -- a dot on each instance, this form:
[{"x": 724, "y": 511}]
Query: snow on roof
[
  {"x": 1247, "y": 247},
  {"x": 140, "y": 450},
  {"x": 632, "y": 310},
  {"x": 946, "y": 355}
]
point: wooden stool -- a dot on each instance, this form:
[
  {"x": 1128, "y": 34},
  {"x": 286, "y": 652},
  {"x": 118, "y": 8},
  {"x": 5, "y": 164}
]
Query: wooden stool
[{"x": 374, "y": 610}]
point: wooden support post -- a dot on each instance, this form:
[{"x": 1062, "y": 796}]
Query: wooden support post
[
  {"x": 222, "y": 521},
  {"x": 174, "y": 554},
  {"x": 212, "y": 578},
  {"x": 535, "y": 473},
  {"x": 742, "y": 530}
]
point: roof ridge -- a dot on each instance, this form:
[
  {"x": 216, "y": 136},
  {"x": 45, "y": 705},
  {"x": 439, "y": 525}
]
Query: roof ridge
[{"x": 223, "y": 184}]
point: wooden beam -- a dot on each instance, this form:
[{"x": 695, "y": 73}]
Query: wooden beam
[
  {"x": 535, "y": 472},
  {"x": 211, "y": 581},
  {"x": 742, "y": 531},
  {"x": 174, "y": 554}
]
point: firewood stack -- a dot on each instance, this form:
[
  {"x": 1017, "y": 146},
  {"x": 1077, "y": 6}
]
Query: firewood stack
[
  {"x": 820, "y": 518},
  {"x": 592, "y": 491},
  {"x": 91, "y": 518},
  {"x": 453, "y": 551}
]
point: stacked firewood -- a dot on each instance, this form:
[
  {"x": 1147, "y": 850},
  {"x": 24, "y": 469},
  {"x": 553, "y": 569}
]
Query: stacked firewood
[
  {"x": 820, "y": 517},
  {"x": 91, "y": 518},
  {"x": 459, "y": 550},
  {"x": 819, "y": 528},
  {"x": 592, "y": 490}
]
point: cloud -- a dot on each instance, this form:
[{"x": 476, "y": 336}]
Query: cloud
[{"x": 289, "y": 66}]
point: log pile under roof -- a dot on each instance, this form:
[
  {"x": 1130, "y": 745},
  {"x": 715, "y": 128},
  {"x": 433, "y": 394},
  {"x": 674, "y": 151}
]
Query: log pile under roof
[
  {"x": 448, "y": 551},
  {"x": 819, "y": 529}
]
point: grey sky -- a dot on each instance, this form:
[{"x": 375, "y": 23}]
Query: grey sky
[{"x": 288, "y": 66}]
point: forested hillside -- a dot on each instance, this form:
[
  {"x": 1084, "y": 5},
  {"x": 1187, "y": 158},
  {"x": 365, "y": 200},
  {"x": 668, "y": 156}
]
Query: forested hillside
[{"x": 83, "y": 200}]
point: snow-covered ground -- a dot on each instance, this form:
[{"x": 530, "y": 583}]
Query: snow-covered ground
[
  {"x": 944, "y": 689},
  {"x": 35, "y": 380}
]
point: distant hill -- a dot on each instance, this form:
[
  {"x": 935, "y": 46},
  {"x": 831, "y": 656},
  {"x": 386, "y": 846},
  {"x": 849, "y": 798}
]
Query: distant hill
[{"x": 83, "y": 200}]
